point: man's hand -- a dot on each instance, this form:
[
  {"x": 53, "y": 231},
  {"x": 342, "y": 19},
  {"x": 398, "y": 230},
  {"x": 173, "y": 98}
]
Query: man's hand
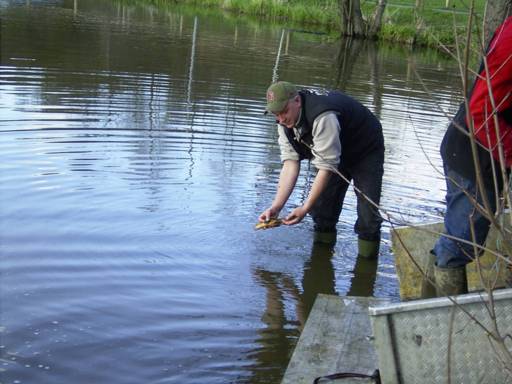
[
  {"x": 268, "y": 214},
  {"x": 287, "y": 180},
  {"x": 295, "y": 216}
]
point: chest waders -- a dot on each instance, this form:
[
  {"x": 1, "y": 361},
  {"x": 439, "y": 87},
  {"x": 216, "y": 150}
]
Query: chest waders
[{"x": 361, "y": 137}]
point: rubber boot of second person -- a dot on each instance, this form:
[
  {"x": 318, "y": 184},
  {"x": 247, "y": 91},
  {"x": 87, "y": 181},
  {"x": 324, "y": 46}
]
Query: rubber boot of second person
[
  {"x": 450, "y": 281},
  {"x": 428, "y": 288}
]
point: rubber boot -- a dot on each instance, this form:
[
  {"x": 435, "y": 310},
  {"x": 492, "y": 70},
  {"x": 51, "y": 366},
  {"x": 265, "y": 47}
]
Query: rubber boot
[
  {"x": 428, "y": 288},
  {"x": 450, "y": 281},
  {"x": 327, "y": 238},
  {"x": 369, "y": 249}
]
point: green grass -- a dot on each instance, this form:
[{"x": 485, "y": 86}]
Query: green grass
[{"x": 432, "y": 24}]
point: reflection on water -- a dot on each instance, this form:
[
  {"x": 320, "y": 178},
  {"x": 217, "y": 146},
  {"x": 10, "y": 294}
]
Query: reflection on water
[
  {"x": 135, "y": 161},
  {"x": 281, "y": 329}
]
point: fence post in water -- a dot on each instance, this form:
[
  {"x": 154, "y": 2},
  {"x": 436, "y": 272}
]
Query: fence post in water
[
  {"x": 191, "y": 68},
  {"x": 276, "y": 65}
]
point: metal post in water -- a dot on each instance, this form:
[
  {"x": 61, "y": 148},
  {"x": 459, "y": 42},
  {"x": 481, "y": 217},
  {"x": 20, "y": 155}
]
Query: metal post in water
[
  {"x": 192, "y": 55},
  {"x": 276, "y": 65},
  {"x": 190, "y": 113}
]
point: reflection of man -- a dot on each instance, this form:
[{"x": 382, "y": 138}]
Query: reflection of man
[
  {"x": 462, "y": 218},
  {"x": 279, "y": 335},
  {"x": 318, "y": 278},
  {"x": 337, "y": 133}
]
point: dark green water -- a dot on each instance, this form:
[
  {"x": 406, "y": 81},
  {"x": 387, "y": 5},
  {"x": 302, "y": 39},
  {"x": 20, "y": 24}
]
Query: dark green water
[{"x": 135, "y": 160}]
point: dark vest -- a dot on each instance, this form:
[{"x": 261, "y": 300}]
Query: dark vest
[
  {"x": 457, "y": 155},
  {"x": 456, "y": 150},
  {"x": 360, "y": 134}
]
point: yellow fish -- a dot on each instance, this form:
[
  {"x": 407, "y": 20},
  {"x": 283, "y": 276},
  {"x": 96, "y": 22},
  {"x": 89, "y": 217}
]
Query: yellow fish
[{"x": 269, "y": 224}]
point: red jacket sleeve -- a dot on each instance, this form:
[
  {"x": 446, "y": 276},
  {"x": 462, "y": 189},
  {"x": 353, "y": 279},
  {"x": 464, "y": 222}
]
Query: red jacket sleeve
[{"x": 499, "y": 60}]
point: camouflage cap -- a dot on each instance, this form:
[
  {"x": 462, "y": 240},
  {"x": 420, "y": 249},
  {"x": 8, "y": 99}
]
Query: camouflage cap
[{"x": 278, "y": 95}]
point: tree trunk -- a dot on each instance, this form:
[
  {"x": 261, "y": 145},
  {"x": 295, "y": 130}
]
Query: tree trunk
[
  {"x": 357, "y": 17},
  {"x": 346, "y": 17},
  {"x": 496, "y": 12},
  {"x": 376, "y": 24},
  {"x": 352, "y": 23}
]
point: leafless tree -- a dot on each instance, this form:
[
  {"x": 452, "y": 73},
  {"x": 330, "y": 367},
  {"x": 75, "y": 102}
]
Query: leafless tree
[{"x": 353, "y": 22}]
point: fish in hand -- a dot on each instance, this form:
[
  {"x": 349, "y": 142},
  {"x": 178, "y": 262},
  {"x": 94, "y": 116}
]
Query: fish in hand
[{"x": 272, "y": 223}]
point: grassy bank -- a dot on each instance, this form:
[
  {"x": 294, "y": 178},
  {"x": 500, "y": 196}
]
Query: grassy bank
[
  {"x": 402, "y": 23},
  {"x": 428, "y": 26}
]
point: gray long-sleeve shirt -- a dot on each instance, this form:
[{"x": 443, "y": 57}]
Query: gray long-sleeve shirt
[{"x": 326, "y": 142}]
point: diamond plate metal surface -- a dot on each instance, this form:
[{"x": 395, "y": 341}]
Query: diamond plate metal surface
[{"x": 428, "y": 346}]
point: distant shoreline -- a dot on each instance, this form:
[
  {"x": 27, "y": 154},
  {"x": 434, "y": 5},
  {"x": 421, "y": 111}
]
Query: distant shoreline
[{"x": 433, "y": 25}]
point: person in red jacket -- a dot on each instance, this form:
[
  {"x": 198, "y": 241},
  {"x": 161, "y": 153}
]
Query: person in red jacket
[{"x": 490, "y": 102}]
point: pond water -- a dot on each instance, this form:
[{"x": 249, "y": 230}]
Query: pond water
[{"x": 135, "y": 160}]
